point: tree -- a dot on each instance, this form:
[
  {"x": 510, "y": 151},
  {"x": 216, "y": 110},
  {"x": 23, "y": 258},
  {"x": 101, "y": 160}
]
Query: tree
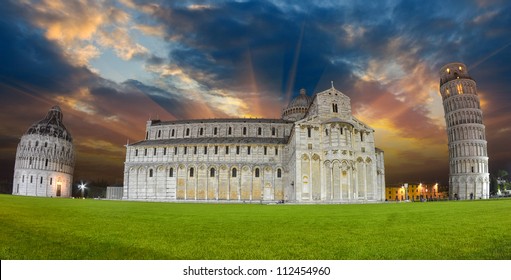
[
  {"x": 502, "y": 174},
  {"x": 502, "y": 182},
  {"x": 494, "y": 185}
]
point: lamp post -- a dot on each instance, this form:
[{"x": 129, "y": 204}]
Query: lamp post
[{"x": 82, "y": 187}]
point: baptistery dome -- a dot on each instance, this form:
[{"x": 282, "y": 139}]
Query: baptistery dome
[
  {"x": 45, "y": 158},
  {"x": 51, "y": 125}
]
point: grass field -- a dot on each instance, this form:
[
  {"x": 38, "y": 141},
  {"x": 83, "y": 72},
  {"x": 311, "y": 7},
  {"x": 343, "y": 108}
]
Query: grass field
[{"x": 46, "y": 228}]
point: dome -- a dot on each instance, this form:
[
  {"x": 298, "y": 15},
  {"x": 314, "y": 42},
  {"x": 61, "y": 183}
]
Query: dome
[
  {"x": 298, "y": 107},
  {"x": 302, "y": 100},
  {"x": 51, "y": 125}
]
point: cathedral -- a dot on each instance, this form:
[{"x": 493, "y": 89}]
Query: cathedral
[
  {"x": 317, "y": 152},
  {"x": 45, "y": 159}
]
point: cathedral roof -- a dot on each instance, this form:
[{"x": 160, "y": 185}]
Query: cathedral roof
[
  {"x": 213, "y": 140},
  {"x": 51, "y": 125},
  {"x": 239, "y": 120}
]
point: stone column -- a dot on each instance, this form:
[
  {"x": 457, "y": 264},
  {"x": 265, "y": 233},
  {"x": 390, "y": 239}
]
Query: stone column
[
  {"x": 331, "y": 181},
  {"x": 365, "y": 180}
]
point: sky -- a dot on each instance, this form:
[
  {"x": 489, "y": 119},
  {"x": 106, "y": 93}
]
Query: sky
[{"x": 113, "y": 65}]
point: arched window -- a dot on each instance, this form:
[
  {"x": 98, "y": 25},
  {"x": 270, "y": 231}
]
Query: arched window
[
  {"x": 212, "y": 172},
  {"x": 279, "y": 173},
  {"x": 191, "y": 171},
  {"x": 215, "y": 130},
  {"x": 171, "y": 172},
  {"x": 259, "y": 131},
  {"x": 173, "y": 132},
  {"x": 159, "y": 133},
  {"x": 150, "y": 173},
  {"x": 46, "y": 163},
  {"x": 230, "y": 130},
  {"x": 187, "y": 132},
  {"x": 459, "y": 87},
  {"x": 136, "y": 152},
  {"x": 234, "y": 172},
  {"x": 244, "y": 131},
  {"x": 273, "y": 131},
  {"x": 201, "y": 131},
  {"x": 257, "y": 172}
]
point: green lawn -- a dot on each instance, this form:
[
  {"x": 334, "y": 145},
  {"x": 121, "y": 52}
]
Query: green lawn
[{"x": 51, "y": 228}]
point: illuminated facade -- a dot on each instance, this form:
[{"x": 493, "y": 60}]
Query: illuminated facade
[
  {"x": 415, "y": 192},
  {"x": 468, "y": 158},
  {"x": 45, "y": 159},
  {"x": 316, "y": 153}
]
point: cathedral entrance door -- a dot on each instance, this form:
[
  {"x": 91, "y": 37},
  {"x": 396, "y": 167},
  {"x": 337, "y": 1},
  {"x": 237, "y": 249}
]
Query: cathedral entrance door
[{"x": 59, "y": 187}]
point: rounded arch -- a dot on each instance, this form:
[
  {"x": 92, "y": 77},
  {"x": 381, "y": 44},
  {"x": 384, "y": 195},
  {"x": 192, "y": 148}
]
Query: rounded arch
[
  {"x": 268, "y": 168},
  {"x": 345, "y": 165},
  {"x": 201, "y": 166}
]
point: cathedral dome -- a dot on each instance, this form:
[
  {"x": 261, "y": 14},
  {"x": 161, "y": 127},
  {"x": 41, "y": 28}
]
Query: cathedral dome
[
  {"x": 298, "y": 107},
  {"x": 302, "y": 100},
  {"x": 51, "y": 125}
]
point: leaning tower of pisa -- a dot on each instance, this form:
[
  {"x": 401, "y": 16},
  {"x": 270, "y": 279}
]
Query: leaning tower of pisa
[{"x": 468, "y": 157}]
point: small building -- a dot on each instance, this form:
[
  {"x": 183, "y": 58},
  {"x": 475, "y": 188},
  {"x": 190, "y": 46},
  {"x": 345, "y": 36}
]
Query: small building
[{"x": 415, "y": 192}]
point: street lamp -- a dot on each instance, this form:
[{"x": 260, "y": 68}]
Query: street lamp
[{"x": 82, "y": 187}]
